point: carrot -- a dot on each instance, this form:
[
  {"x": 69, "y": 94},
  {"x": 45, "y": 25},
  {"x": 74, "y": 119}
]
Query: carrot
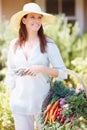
[
  {"x": 54, "y": 114},
  {"x": 50, "y": 117},
  {"x": 46, "y": 118},
  {"x": 47, "y": 109},
  {"x": 53, "y": 118},
  {"x": 53, "y": 107},
  {"x": 50, "y": 112}
]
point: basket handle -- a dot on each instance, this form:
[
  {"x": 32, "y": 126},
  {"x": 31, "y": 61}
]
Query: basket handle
[{"x": 79, "y": 78}]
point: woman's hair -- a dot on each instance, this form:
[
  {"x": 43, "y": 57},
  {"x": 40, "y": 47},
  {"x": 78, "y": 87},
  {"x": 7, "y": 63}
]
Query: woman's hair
[{"x": 23, "y": 37}]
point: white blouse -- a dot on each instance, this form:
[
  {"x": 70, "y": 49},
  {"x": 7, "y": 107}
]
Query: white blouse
[{"x": 29, "y": 91}]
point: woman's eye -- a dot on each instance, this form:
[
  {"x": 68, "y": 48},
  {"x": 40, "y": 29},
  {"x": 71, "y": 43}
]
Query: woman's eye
[{"x": 40, "y": 17}]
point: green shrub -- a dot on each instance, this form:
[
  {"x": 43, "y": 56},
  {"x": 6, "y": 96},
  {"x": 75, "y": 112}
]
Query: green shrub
[
  {"x": 80, "y": 56},
  {"x": 6, "y": 120},
  {"x": 5, "y": 36},
  {"x": 80, "y": 46},
  {"x": 64, "y": 34}
]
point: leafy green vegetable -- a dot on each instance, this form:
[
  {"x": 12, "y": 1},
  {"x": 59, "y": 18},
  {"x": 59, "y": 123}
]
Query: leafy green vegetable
[
  {"x": 60, "y": 90},
  {"x": 78, "y": 104}
]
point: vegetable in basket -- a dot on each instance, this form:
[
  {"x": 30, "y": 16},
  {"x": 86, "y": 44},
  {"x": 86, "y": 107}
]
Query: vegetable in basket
[{"x": 71, "y": 107}]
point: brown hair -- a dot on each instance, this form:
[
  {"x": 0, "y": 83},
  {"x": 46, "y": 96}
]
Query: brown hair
[{"x": 23, "y": 37}]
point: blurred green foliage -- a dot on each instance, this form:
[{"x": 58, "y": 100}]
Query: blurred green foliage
[
  {"x": 64, "y": 34},
  {"x": 80, "y": 56},
  {"x": 5, "y": 36},
  {"x": 6, "y": 120}
]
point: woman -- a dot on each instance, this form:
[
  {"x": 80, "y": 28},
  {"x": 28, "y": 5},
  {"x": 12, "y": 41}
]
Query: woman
[{"x": 29, "y": 58}]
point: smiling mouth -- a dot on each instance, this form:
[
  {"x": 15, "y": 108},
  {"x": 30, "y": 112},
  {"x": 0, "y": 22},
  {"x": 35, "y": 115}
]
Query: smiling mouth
[{"x": 36, "y": 25}]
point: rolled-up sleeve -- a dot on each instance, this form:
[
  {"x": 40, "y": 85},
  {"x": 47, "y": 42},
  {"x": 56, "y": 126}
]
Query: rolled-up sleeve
[
  {"x": 10, "y": 75},
  {"x": 56, "y": 60}
]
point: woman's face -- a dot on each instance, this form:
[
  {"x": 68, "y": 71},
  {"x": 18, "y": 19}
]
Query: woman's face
[{"x": 33, "y": 21}]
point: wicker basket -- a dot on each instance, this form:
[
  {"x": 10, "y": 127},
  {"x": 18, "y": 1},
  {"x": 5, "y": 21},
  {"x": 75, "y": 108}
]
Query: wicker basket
[
  {"x": 79, "y": 79},
  {"x": 56, "y": 125}
]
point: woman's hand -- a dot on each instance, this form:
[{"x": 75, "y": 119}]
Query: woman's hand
[{"x": 33, "y": 70}]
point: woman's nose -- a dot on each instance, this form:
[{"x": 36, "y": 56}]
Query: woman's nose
[{"x": 37, "y": 20}]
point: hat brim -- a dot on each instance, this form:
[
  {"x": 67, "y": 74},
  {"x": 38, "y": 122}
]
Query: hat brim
[{"x": 16, "y": 18}]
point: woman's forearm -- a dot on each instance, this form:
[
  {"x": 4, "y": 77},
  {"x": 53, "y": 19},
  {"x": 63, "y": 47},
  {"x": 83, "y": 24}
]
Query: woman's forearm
[
  {"x": 35, "y": 69},
  {"x": 49, "y": 71}
]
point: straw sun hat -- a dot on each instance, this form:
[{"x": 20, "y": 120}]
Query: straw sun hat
[{"x": 30, "y": 8}]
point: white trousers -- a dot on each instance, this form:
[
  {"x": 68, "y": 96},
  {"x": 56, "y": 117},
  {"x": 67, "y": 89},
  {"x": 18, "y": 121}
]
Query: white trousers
[{"x": 26, "y": 122}]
